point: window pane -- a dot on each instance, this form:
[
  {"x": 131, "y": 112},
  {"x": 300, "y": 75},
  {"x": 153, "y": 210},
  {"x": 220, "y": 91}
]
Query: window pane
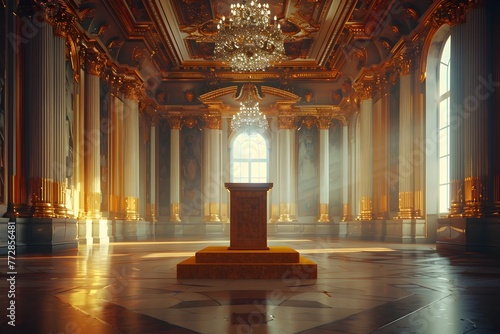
[
  {"x": 443, "y": 198},
  {"x": 443, "y": 142},
  {"x": 444, "y": 113},
  {"x": 443, "y": 79},
  {"x": 443, "y": 170}
]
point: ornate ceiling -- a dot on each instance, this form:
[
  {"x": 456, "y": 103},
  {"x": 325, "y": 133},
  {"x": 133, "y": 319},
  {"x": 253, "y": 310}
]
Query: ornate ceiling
[{"x": 329, "y": 43}]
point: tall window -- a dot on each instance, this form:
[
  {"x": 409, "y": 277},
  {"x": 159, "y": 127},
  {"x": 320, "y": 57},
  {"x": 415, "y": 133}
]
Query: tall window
[
  {"x": 249, "y": 159},
  {"x": 444, "y": 128}
]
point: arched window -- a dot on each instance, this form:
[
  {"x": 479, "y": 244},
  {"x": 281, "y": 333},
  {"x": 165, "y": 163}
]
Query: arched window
[
  {"x": 444, "y": 128},
  {"x": 249, "y": 158}
]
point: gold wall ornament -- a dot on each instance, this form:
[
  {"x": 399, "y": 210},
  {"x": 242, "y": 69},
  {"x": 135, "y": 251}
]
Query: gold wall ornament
[
  {"x": 448, "y": 12},
  {"x": 308, "y": 96},
  {"x": 189, "y": 96}
]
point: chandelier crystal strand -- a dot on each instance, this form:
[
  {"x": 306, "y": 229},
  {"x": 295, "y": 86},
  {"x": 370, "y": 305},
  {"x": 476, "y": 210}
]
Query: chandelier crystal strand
[
  {"x": 249, "y": 119},
  {"x": 248, "y": 40}
]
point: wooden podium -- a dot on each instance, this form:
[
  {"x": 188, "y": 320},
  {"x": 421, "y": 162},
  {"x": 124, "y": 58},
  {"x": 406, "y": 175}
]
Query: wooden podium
[
  {"x": 248, "y": 216},
  {"x": 248, "y": 256}
]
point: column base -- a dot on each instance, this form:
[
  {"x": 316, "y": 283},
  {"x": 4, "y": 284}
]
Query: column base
[
  {"x": 406, "y": 231},
  {"x": 366, "y": 230},
  {"x": 469, "y": 235},
  {"x": 46, "y": 235}
]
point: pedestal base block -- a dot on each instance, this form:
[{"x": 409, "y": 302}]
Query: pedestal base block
[{"x": 220, "y": 262}]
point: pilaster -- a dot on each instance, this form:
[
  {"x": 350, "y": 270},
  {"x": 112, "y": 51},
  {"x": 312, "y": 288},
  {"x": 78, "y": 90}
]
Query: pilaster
[{"x": 175, "y": 174}]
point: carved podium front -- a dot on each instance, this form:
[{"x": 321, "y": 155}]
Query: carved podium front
[{"x": 248, "y": 215}]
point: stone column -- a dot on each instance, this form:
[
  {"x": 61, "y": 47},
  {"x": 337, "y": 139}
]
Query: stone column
[
  {"x": 324, "y": 168},
  {"x": 381, "y": 160},
  {"x": 286, "y": 127},
  {"x": 40, "y": 110},
  {"x": 346, "y": 176},
  {"x": 131, "y": 152},
  {"x": 478, "y": 182},
  {"x": 175, "y": 173},
  {"x": 116, "y": 163},
  {"x": 151, "y": 206},
  {"x": 93, "y": 66},
  {"x": 366, "y": 156},
  {"x": 409, "y": 198},
  {"x": 212, "y": 184}
]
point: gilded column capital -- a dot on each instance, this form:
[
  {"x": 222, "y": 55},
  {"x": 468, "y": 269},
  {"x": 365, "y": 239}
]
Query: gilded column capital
[
  {"x": 364, "y": 89},
  {"x": 175, "y": 122},
  {"x": 286, "y": 122},
  {"x": 63, "y": 21},
  {"x": 93, "y": 61},
  {"x": 131, "y": 89},
  {"x": 324, "y": 122},
  {"x": 213, "y": 122},
  {"x": 449, "y": 12},
  {"x": 309, "y": 121}
]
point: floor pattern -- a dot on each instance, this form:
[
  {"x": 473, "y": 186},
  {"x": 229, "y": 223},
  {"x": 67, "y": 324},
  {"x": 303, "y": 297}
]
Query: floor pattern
[{"x": 362, "y": 287}]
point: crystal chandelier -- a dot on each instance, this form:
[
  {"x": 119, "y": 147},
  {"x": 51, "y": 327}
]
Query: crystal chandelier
[
  {"x": 248, "y": 40},
  {"x": 249, "y": 119}
]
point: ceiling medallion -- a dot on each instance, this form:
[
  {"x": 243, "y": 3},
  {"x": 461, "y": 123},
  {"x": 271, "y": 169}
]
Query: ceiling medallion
[{"x": 248, "y": 40}]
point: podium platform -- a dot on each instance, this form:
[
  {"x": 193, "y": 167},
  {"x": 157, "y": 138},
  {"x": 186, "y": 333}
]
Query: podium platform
[{"x": 248, "y": 256}]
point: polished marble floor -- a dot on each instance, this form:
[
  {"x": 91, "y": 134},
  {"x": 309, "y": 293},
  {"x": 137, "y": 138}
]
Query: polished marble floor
[{"x": 362, "y": 287}]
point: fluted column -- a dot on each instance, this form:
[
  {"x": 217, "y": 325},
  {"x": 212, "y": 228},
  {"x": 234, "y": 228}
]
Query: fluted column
[
  {"x": 175, "y": 173},
  {"x": 286, "y": 127},
  {"x": 380, "y": 152},
  {"x": 152, "y": 207},
  {"x": 477, "y": 103},
  {"x": 366, "y": 158},
  {"x": 40, "y": 110},
  {"x": 92, "y": 147},
  {"x": 59, "y": 164},
  {"x": 409, "y": 198},
  {"x": 346, "y": 176},
  {"x": 324, "y": 168},
  {"x": 213, "y": 152},
  {"x": 116, "y": 164},
  {"x": 131, "y": 152}
]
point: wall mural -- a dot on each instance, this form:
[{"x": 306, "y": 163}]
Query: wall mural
[
  {"x": 335, "y": 168},
  {"x": 308, "y": 173},
  {"x": 163, "y": 169},
  {"x": 191, "y": 200},
  {"x": 394, "y": 148}
]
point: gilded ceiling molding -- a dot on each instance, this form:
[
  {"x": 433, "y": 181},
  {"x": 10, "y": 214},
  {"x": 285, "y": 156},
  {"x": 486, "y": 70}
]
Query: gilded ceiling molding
[
  {"x": 175, "y": 122},
  {"x": 213, "y": 122},
  {"x": 209, "y": 97},
  {"x": 286, "y": 122}
]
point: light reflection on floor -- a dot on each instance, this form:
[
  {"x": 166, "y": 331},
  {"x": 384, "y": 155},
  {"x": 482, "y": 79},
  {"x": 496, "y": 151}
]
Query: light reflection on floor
[{"x": 362, "y": 287}]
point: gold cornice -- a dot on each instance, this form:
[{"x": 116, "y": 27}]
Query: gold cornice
[{"x": 63, "y": 21}]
